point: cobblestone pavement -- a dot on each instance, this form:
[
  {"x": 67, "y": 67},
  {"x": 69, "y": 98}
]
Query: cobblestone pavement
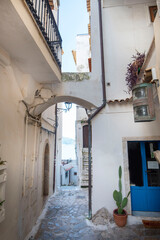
[{"x": 66, "y": 220}]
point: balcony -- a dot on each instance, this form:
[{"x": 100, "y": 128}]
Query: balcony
[
  {"x": 42, "y": 13},
  {"x": 30, "y": 37}
]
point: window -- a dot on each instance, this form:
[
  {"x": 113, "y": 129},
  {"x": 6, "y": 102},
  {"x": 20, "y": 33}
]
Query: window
[
  {"x": 85, "y": 136},
  {"x": 153, "y": 11}
]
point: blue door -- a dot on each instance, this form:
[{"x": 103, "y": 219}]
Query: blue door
[{"x": 144, "y": 176}]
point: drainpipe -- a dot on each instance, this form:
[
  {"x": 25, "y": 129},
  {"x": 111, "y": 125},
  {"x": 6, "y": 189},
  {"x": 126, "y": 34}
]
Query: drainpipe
[
  {"x": 55, "y": 148},
  {"x": 25, "y": 156},
  {"x": 34, "y": 154},
  {"x": 98, "y": 109}
]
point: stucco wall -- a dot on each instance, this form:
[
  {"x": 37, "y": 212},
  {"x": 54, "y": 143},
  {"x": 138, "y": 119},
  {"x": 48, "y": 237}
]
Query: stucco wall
[
  {"x": 109, "y": 129},
  {"x": 23, "y": 149},
  {"x": 126, "y": 28},
  {"x": 157, "y": 35}
]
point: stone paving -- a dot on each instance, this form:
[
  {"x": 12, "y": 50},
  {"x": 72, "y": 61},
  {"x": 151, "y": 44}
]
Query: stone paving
[{"x": 66, "y": 219}]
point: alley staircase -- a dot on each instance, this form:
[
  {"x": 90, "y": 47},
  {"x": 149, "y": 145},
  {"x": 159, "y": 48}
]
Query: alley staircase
[{"x": 85, "y": 165}]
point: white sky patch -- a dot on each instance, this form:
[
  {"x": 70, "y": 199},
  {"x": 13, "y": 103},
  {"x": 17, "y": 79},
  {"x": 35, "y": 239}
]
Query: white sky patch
[{"x": 69, "y": 118}]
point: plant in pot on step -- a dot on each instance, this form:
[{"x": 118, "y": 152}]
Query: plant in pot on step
[{"x": 119, "y": 214}]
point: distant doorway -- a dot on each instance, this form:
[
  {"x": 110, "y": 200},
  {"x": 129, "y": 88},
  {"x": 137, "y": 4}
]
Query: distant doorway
[{"x": 46, "y": 171}]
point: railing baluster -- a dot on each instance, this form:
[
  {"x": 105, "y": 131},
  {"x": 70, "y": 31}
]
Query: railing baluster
[
  {"x": 36, "y": 5},
  {"x": 50, "y": 35},
  {"x": 44, "y": 17},
  {"x": 47, "y": 22},
  {"x": 48, "y": 25},
  {"x": 38, "y": 8},
  {"x": 42, "y": 12}
]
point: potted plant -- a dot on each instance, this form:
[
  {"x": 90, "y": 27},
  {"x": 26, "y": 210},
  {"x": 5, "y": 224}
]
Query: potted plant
[{"x": 119, "y": 214}]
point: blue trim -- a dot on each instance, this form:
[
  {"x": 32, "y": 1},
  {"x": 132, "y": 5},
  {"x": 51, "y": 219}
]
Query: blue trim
[
  {"x": 144, "y": 166},
  {"x": 145, "y": 198}
]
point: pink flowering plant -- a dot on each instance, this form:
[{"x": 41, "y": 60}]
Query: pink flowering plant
[{"x": 133, "y": 69}]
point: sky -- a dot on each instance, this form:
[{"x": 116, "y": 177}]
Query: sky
[
  {"x": 68, "y": 129},
  {"x": 73, "y": 20}
]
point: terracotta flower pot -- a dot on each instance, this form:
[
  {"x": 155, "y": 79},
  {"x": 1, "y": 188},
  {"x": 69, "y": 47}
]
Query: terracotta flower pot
[{"x": 120, "y": 219}]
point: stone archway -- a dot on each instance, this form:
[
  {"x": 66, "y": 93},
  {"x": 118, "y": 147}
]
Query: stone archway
[
  {"x": 46, "y": 171},
  {"x": 38, "y": 108}
]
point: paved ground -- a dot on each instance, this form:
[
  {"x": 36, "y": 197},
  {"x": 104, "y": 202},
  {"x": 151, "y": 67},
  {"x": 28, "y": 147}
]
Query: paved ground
[{"x": 66, "y": 220}]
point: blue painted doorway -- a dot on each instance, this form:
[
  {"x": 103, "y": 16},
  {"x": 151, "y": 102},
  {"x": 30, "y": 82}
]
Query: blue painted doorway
[{"x": 144, "y": 176}]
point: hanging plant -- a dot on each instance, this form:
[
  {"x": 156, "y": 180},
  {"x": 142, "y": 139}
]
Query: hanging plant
[{"x": 133, "y": 69}]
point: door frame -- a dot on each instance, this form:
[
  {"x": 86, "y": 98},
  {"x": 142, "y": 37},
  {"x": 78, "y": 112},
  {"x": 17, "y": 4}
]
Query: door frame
[{"x": 126, "y": 163}]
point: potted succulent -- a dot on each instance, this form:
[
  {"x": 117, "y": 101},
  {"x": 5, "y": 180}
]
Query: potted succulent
[{"x": 119, "y": 214}]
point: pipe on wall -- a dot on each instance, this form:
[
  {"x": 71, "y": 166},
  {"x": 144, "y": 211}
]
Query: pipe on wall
[
  {"x": 98, "y": 109},
  {"x": 25, "y": 156},
  {"x": 34, "y": 155},
  {"x": 55, "y": 148}
]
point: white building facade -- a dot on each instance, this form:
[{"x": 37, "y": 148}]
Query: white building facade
[
  {"x": 127, "y": 28},
  {"x": 27, "y": 142}
]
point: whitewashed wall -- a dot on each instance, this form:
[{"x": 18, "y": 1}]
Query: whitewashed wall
[
  {"x": 109, "y": 129},
  {"x": 23, "y": 149},
  {"x": 126, "y": 28}
]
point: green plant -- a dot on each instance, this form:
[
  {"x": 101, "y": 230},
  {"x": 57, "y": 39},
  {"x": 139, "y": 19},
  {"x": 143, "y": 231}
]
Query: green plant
[
  {"x": 2, "y": 162},
  {"x": 1, "y": 203},
  {"x": 117, "y": 195}
]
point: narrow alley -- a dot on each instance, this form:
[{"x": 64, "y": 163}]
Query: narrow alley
[{"x": 66, "y": 219}]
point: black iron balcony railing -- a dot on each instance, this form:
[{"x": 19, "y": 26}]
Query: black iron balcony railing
[{"x": 43, "y": 15}]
